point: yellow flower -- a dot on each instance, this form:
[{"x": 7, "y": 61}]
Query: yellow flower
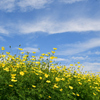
[
  {"x": 43, "y": 54},
  {"x": 78, "y": 62},
  {"x": 21, "y": 73},
  {"x": 71, "y": 64},
  {"x": 55, "y": 48},
  {"x": 40, "y": 78},
  {"x": 13, "y": 80},
  {"x": 22, "y": 52},
  {"x": 63, "y": 79},
  {"x": 33, "y": 56},
  {"x": 55, "y": 86},
  {"x": 46, "y": 75},
  {"x": 20, "y": 48},
  {"x": 48, "y": 52},
  {"x": 77, "y": 94},
  {"x": 48, "y": 81},
  {"x": 3, "y": 65},
  {"x": 94, "y": 93},
  {"x": 49, "y": 96},
  {"x": 50, "y": 61},
  {"x": 79, "y": 66},
  {"x": 61, "y": 89},
  {"x": 2, "y": 48},
  {"x": 34, "y": 52},
  {"x": 11, "y": 85},
  {"x": 41, "y": 57},
  {"x": 52, "y": 57},
  {"x": 37, "y": 62},
  {"x": 7, "y": 69},
  {"x": 3, "y": 56},
  {"x": 33, "y": 86},
  {"x": 70, "y": 87},
  {"x": 75, "y": 64},
  {"x": 57, "y": 79},
  {"x": 80, "y": 83},
  {"x": 13, "y": 75},
  {"x": 53, "y": 51},
  {"x": 7, "y": 52},
  {"x": 73, "y": 93}
]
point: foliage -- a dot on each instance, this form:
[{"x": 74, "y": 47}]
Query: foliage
[{"x": 25, "y": 78}]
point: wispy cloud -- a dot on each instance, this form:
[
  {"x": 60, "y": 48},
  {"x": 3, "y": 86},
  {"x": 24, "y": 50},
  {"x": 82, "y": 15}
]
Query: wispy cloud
[
  {"x": 7, "y": 5},
  {"x": 71, "y": 49},
  {"x": 1, "y": 38},
  {"x": 3, "y": 30},
  {"x": 97, "y": 52},
  {"x": 71, "y": 1},
  {"x": 53, "y": 27},
  {"x": 89, "y": 66},
  {"x": 11, "y": 5},
  {"x": 30, "y": 49},
  {"x": 33, "y": 4},
  {"x": 79, "y": 58}
]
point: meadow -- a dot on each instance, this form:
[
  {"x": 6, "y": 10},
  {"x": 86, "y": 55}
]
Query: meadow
[{"x": 28, "y": 78}]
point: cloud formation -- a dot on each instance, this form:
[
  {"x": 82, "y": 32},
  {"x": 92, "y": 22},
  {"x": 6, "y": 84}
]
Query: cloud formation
[
  {"x": 11, "y": 5},
  {"x": 24, "y": 5},
  {"x": 3, "y": 30},
  {"x": 71, "y": 49},
  {"x": 7, "y": 5},
  {"x": 30, "y": 49},
  {"x": 53, "y": 27},
  {"x": 70, "y": 1},
  {"x": 33, "y": 4}
]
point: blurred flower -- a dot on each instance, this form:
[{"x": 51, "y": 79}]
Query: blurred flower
[
  {"x": 53, "y": 51},
  {"x": 33, "y": 52},
  {"x": 48, "y": 81},
  {"x": 49, "y": 96},
  {"x": 40, "y": 78},
  {"x": 46, "y": 75},
  {"x": 71, "y": 64},
  {"x": 78, "y": 62},
  {"x": 70, "y": 87},
  {"x": 21, "y": 73},
  {"x": 20, "y": 48},
  {"x": 13, "y": 80},
  {"x": 7, "y": 52},
  {"x": 55, "y": 48},
  {"x": 61, "y": 89},
  {"x": 11, "y": 85},
  {"x": 2, "y": 48},
  {"x": 33, "y": 86}
]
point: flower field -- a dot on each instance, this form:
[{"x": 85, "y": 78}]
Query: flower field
[{"x": 28, "y": 78}]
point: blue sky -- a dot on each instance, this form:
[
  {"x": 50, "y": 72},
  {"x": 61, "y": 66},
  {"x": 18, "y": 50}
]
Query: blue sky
[{"x": 71, "y": 26}]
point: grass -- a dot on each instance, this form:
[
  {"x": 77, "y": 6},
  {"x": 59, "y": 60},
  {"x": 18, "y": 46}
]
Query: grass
[{"x": 28, "y": 78}]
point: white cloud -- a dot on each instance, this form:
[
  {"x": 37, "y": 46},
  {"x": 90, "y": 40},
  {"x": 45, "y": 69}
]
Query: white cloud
[
  {"x": 94, "y": 67},
  {"x": 3, "y": 30},
  {"x": 30, "y": 49},
  {"x": 70, "y": 1},
  {"x": 71, "y": 49},
  {"x": 1, "y": 38},
  {"x": 79, "y": 58},
  {"x": 61, "y": 59},
  {"x": 33, "y": 4},
  {"x": 54, "y": 27},
  {"x": 97, "y": 52},
  {"x": 7, "y": 5},
  {"x": 10, "y": 5}
]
